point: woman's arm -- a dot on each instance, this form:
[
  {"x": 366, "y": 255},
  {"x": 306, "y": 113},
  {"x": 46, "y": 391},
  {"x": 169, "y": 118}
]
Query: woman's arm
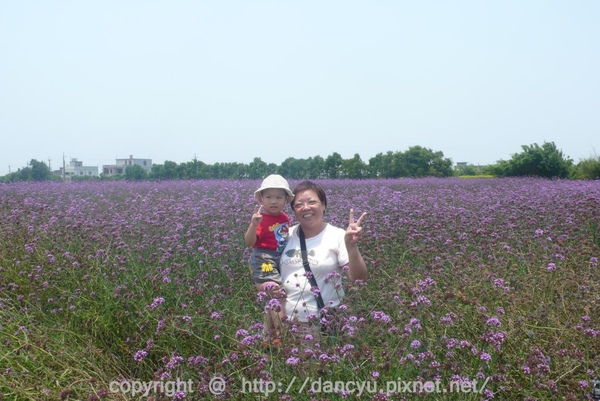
[{"x": 357, "y": 268}]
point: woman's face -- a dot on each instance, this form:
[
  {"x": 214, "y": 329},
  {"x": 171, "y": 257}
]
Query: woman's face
[{"x": 308, "y": 208}]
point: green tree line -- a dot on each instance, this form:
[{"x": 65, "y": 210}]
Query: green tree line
[
  {"x": 415, "y": 162},
  {"x": 534, "y": 160}
]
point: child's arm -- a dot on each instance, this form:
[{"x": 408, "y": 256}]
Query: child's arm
[{"x": 250, "y": 236}]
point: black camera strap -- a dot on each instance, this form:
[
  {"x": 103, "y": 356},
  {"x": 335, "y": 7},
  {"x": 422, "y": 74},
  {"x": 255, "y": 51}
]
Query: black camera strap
[{"x": 309, "y": 273}]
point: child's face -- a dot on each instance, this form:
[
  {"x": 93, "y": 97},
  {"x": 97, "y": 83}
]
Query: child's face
[{"x": 273, "y": 200}]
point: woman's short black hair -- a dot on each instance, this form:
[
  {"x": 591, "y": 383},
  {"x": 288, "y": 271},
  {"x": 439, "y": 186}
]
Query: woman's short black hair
[{"x": 309, "y": 186}]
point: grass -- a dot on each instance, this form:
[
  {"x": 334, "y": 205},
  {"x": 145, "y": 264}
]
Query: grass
[{"x": 491, "y": 284}]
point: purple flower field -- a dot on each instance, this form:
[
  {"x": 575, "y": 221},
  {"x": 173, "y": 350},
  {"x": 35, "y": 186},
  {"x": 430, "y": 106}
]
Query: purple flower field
[{"x": 492, "y": 284}]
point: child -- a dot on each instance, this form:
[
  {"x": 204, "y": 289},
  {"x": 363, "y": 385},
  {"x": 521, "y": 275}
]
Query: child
[{"x": 267, "y": 234}]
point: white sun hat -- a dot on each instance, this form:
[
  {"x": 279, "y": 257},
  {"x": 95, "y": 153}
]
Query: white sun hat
[{"x": 274, "y": 181}]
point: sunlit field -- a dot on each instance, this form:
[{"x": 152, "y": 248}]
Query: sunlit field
[{"x": 479, "y": 289}]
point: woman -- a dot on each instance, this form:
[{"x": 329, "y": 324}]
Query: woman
[{"x": 328, "y": 248}]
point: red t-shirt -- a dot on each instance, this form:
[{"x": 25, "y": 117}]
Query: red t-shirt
[{"x": 272, "y": 233}]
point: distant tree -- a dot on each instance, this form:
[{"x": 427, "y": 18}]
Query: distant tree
[
  {"x": 418, "y": 161},
  {"x": 382, "y": 165},
  {"x": 191, "y": 170},
  {"x": 315, "y": 167},
  {"x": 272, "y": 168},
  {"x": 541, "y": 161},
  {"x": 498, "y": 169},
  {"x": 292, "y": 168},
  {"x": 156, "y": 172},
  {"x": 467, "y": 169},
  {"x": 587, "y": 169},
  {"x": 354, "y": 168},
  {"x": 39, "y": 171},
  {"x": 23, "y": 174},
  {"x": 197, "y": 169},
  {"x": 169, "y": 171},
  {"x": 183, "y": 170},
  {"x": 35, "y": 171},
  {"x": 257, "y": 169},
  {"x": 333, "y": 165},
  {"x": 186, "y": 170},
  {"x": 228, "y": 171},
  {"x": 375, "y": 166},
  {"x": 135, "y": 173},
  {"x": 218, "y": 170},
  {"x": 440, "y": 166},
  {"x": 239, "y": 171}
]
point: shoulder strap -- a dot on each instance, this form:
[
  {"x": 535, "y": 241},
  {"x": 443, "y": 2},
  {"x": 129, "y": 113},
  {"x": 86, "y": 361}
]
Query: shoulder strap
[{"x": 309, "y": 273}]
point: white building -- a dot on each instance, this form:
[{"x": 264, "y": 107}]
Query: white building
[
  {"x": 121, "y": 164},
  {"x": 77, "y": 169}
]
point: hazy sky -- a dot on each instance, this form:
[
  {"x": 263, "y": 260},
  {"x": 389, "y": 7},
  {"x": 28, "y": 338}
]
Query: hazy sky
[{"x": 228, "y": 81}]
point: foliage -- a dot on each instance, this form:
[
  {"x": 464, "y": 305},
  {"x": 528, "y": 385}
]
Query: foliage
[
  {"x": 588, "y": 169},
  {"x": 415, "y": 162},
  {"x": 135, "y": 173},
  {"x": 467, "y": 170},
  {"x": 543, "y": 161},
  {"x": 491, "y": 281},
  {"x": 39, "y": 170},
  {"x": 423, "y": 162},
  {"x": 35, "y": 171},
  {"x": 354, "y": 168},
  {"x": 536, "y": 161}
]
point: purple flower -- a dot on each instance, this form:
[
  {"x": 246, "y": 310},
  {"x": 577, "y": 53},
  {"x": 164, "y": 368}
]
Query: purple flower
[
  {"x": 179, "y": 395},
  {"x": 292, "y": 361},
  {"x": 273, "y": 304},
  {"x": 157, "y": 301},
  {"x": 160, "y": 326},
  {"x": 379, "y": 316},
  {"x": 140, "y": 355},
  {"x": 494, "y": 321}
]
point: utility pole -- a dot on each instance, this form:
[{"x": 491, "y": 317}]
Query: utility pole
[{"x": 49, "y": 165}]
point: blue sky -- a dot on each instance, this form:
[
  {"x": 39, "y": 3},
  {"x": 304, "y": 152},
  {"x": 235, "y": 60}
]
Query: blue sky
[{"x": 228, "y": 81}]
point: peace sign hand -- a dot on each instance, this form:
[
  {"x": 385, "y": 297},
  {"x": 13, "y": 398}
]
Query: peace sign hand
[
  {"x": 256, "y": 216},
  {"x": 354, "y": 230}
]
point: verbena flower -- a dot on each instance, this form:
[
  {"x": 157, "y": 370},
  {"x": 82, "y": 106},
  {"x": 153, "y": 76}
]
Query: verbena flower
[
  {"x": 140, "y": 355},
  {"x": 157, "y": 301}
]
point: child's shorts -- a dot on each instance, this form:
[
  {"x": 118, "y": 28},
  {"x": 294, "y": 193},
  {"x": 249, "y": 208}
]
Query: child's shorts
[{"x": 264, "y": 264}]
